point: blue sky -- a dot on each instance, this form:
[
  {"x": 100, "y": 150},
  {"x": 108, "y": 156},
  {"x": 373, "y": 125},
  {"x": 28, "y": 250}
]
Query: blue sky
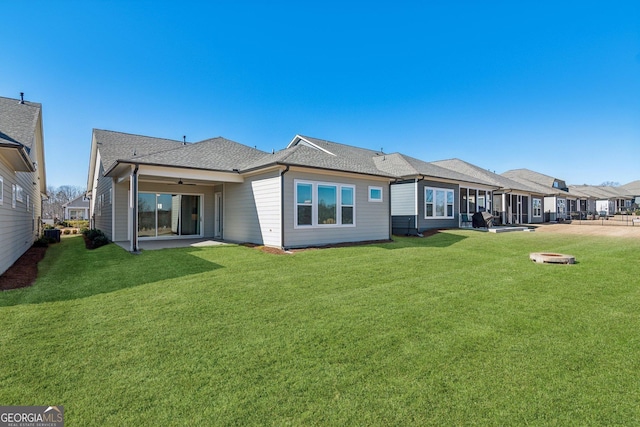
[{"x": 549, "y": 86}]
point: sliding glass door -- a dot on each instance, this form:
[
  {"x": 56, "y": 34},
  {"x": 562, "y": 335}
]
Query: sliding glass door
[{"x": 163, "y": 215}]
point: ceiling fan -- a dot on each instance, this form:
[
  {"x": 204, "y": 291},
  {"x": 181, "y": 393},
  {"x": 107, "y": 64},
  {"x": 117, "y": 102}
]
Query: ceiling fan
[{"x": 180, "y": 182}]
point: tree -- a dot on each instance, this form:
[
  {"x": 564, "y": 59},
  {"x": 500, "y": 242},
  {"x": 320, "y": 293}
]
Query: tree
[
  {"x": 58, "y": 197},
  {"x": 610, "y": 184}
]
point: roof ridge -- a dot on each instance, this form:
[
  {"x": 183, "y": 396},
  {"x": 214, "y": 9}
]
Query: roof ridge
[{"x": 141, "y": 136}]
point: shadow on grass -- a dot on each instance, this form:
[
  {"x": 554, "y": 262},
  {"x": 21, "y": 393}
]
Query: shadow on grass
[
  {"x": 70, "y": 271},
  {"x": 437, "y": 240}
]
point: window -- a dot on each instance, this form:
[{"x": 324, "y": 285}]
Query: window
[
  {"x": 13, "y": 195},
  {"x": 19, "y": 194},
  {"x": 375, "y": 194},
  {"x": 321, "y": 204},
  {"x": 537, "y": 207},
  {"x": 1, "y": 190},
  {"x": 438, "y": 203},
  {"x": 347, "y": 205},
  {"x": 28, "y": 203}
]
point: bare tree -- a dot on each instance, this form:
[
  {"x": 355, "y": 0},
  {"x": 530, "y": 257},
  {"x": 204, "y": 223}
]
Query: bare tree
[
  {"x": 610, "y": 184},
  {"x": 56, "y": 197}
]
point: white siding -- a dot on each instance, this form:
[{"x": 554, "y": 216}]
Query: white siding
[
  {"x": 266, "y": 194},
  {"x": 403, "y": 199},
  {"x": 372, "y": 219},
  {"x": 241, "y": 205}
]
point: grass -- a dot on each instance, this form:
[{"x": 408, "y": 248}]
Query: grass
[{"x": 456, "y": 329}]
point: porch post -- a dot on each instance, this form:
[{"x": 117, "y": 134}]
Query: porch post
[
  {"x": 134, "y": 209},
  {"x": 504, "y": 208}
]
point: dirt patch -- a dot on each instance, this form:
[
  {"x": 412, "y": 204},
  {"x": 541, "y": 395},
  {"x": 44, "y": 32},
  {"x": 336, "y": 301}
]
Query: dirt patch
[
  {"x": 590, "y": 228},
  {"x": 24, "y": 271}
]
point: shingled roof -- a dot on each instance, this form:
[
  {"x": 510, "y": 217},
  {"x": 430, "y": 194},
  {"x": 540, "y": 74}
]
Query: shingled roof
[
  {"x": 18, "y": 128},
  {"x": 479, "y": 173}
]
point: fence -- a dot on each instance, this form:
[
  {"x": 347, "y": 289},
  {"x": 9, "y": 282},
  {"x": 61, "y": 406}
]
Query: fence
[{"x": 602, "y": 219}]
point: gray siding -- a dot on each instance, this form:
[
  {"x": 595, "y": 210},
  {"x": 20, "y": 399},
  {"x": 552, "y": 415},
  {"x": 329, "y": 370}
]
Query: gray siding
[
  {"x": 121, "y": 211},
  {"x": 426, "y": 224},
  {"x": 241, "y": 204},
  {"x": 103, "y": 199},
  {"x": 19, "y": 226},
  {"x": 372, "y": 219}
]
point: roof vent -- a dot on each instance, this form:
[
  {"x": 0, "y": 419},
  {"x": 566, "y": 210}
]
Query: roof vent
[
  {"x": 21, "y": 97},
  {"x": 184, "y": 139}
]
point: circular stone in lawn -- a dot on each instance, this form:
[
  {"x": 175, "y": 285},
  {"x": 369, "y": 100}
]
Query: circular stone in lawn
[{"x": 552, "y": 258}]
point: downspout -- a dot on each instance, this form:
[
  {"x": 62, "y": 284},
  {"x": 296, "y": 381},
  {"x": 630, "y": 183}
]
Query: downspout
[
  {"x": 134, "y": 209},
  {"x": 417, "y": 206},
  {"x": 282, "y": 172}
]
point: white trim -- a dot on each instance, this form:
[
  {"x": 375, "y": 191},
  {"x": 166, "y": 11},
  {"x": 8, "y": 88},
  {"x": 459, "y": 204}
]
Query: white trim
[
  {"x": 1, "y": 190},
  {"x": 375, "y": 200},
  {"x": 13, "y": 196},
  {"x": 314, "y": 204},
  {"x": 533, "y": 208},
  {"x": 453, "y": 203},
  {"x": 305, "y": 141}
]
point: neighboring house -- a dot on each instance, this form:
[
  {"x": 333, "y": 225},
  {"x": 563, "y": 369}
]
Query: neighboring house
[
  {"x": 586, "y": 206},
  {"x": 632, "y": 190},
  {"x": 426, "y": 196},
  {"x": 513, "y": 201},
  {"x": 22, "y": 177},
  {"x": 76, "y": 209},
  {"x": 558, "y": 202},
  {"x": 608, "y": 199},
  {"x": 314, "y": 192}
]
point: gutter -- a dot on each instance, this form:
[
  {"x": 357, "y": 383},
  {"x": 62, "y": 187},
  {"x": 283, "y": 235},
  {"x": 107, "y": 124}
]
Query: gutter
[
  {"x": 134, "y": 200},
  {"x": 282, "y": 172}
]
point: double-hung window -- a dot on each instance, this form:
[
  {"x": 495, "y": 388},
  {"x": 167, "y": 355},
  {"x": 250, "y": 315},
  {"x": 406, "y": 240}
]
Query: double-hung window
[
  {"x": 438, "y": 203},
  {"x": 322, "y": 204}
]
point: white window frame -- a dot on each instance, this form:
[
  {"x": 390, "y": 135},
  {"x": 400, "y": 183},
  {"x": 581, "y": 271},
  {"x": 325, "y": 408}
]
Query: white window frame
[
  {"x": 13, "y": 196},
  {"x": 28, "y": 204},
  {"x": 1, "y": 190},
  {"x": 19, "y": 193},
  {"x": 446, "y": 203},
  {"x": 537, "y": 211},
  {"x": 314, "y": 204},
  {"x": 375, "y": 199}
]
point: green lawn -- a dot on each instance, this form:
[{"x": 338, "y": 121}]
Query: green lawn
[{"x": 455, "y": 329}]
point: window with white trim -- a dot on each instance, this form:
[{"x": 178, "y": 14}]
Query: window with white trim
[
  {"x": 323, "y": 204},
  {"x": 19, "y": 193},
  {"x": 28, "y": 203},
  {"x": 537, "y": 207},
  {"x": 13, "y": 195},
  {"x": 438, "y": 203},
  {"x": 1, "y": 190},
  {"x": 375, "y": 194}
]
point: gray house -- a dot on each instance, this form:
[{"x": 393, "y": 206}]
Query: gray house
[
  {"x": 513, "y": 202},
  {"x": 76, "y": 209},
  {"x": 22, "y": 177},
  {"x": 314, "y": 192},
  {"x": 426, "y": 196},
  {"x": 558, "y": 202}
]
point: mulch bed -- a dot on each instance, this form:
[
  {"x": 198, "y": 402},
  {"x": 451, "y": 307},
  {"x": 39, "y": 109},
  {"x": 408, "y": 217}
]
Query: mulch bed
[{"x": 24, "y": 271}]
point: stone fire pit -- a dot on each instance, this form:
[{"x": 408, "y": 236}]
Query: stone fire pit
[{"x": 552, "y": 258}]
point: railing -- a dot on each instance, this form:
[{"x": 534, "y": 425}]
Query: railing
[{"x": 599, "y": 218}]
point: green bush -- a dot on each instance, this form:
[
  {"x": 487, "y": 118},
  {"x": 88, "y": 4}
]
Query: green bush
[
  {"x": 66, "y": 231},
  {"x": 94, "y": 238},
  {"x": 42, "y": 242},
  {"x": 74, "y": 231}
]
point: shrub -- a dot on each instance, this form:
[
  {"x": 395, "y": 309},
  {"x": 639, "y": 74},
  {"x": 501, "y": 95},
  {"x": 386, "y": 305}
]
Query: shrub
[
  {"x": 94, "y": 238},
  {"x": 66, "y": 231},
  {"x": 42, "y": 242},
  {"x": 74, "y": 231}
]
